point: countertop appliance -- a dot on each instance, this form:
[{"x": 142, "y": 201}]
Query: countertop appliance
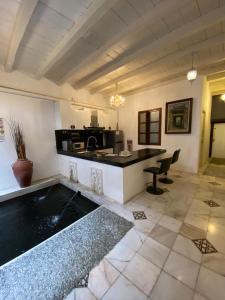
[{"x": 76, "y": 139}]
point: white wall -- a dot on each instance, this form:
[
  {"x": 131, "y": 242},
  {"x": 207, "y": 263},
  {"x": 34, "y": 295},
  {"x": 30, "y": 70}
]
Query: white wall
[
  {"x": 155, "y": 98},
  {"x": 205, "y": 124},
  {"x": 38, "y": 120},
  {"x": 71, "y": 115}
]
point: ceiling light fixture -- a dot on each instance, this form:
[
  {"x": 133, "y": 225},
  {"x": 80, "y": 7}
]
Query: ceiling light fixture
[
  {"x": 192, "y": 73},
  {"x": 117, "y": 100}
]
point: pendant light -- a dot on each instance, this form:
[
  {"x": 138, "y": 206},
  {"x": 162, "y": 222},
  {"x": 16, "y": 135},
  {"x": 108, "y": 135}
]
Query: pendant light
[
  {"x": 192, "y": 73},
  {"x": 116, "y": 99}
]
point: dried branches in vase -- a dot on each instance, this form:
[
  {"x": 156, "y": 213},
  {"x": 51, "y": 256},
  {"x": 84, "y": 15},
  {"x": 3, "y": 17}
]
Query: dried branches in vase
[
  {"x": 22, "y": 168},
  {"x": 18, "y": 138}
]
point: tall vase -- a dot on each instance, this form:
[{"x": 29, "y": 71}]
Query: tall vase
[{"x": 23, "y": 171}]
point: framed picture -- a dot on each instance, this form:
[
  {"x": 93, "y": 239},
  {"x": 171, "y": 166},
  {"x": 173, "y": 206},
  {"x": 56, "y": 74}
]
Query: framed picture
[{"x": 178, "y": 116}]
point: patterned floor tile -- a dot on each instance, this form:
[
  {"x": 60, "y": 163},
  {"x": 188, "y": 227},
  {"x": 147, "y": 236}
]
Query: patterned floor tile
[
  {"x": 204, "y": 246},
  {"x": 139, "y": 215},
  {"x": 211, "y": 203}
]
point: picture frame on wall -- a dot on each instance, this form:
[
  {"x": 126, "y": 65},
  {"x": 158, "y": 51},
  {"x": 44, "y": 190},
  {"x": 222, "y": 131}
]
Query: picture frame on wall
[{"x": 179, "y": 116}]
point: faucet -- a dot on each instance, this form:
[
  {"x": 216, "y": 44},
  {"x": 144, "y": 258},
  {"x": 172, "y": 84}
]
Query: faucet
[{"x": 88, "y": 140}]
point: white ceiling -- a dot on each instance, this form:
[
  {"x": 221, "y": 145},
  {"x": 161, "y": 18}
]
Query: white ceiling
[{"x": 97, "y": 43}]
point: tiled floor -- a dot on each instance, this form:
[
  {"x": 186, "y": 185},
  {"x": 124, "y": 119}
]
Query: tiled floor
[{"x": 175, "y": 251}]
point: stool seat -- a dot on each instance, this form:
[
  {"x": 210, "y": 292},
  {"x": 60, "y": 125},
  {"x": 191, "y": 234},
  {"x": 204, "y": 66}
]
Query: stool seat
[
  {"x": 155, "y": 170},
  {"x": 175, "y": 157},
  {"x": 164, "y": 167}
]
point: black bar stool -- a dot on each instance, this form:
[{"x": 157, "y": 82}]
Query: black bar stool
[
  {"x": 175, "y": 157},
  {"x": 164, "y": 167}
]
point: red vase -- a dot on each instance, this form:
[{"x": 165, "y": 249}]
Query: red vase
[{"x": 23, "y": 171}]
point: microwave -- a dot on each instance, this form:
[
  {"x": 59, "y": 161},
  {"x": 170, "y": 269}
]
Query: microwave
[{"x": 78, "y": 145}]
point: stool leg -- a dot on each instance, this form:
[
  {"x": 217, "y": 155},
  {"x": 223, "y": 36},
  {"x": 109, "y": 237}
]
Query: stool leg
[
  {"x": 153, "y": 189},
  {"x": 154, "y": 182},
  {"x": 165, "y": 179}
]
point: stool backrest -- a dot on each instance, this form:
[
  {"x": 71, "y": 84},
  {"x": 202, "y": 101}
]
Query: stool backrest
[
  {"x": 165, "y": 164},
  {"x": 175, "y": 156}
]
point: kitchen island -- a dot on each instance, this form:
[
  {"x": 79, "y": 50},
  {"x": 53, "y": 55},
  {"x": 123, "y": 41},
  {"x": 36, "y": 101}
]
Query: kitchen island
[{"x": 122, "y": 177}]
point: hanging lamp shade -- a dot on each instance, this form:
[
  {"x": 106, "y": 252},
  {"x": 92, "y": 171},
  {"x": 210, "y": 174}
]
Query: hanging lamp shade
[
  {"x": 117, "y": 99},
  {"x": 192, "y": 73}
]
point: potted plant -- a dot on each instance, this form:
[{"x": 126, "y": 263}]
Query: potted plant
[{"x": 22, "y": 168}]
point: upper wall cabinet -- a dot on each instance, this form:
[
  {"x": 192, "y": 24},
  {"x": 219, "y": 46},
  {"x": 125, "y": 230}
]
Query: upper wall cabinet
[{"x": 149, "y": 127}]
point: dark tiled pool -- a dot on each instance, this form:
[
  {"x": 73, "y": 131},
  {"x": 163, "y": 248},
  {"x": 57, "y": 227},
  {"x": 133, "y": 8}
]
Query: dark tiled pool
[{"x": 28, "y": 220}]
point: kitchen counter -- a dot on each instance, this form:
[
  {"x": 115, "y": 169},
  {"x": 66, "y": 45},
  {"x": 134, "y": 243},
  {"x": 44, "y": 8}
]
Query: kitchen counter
[
  {"x": 121, "y": 178},
  {"x": 118, "y": 161}
]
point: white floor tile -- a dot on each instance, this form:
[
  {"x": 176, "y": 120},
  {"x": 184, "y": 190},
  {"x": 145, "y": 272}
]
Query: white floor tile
[
  {"x": 168, "y": 288},
  {"x": 142, "y": 273},
  {"x": 144, "y": 226},
  {"x": 134, "y": 239},
  {"x": 101, "y": 278},
  {"x": 84, "y": 294},
  {"x": 182, "y": 268},
  {"x": 170, "y": 223},
  {"x": 199, "y": 297},
  {"x": 186, "y": 247},
  {"x": 154, "y": 252},
  {"x": 120, "y": 256},
  {"x": 123, "y": 289},
  {"x": 211, "y": 285}
]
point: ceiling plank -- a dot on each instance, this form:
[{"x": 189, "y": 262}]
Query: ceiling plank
[
  {"x": 203, "y": 69},
  {"x": 163, "y": 60},
  {"x": 216, "y": 76},
  {"x": 93, "y": 15},
  {"x": 199, "y": 24},
  {"x": 153, "y": 14},
  {"x": 23, "y": 17}
]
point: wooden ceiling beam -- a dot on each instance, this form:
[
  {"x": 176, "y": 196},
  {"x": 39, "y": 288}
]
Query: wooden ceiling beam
[
  {"x": 160, "y": 62},
  {"x": 201, "y": 23},
  {"x": 203, "y": 69},
  {"x": 93, "y": 15},
  {"x": 25, "y": 12},
  {"x": 153, "y": 14}
]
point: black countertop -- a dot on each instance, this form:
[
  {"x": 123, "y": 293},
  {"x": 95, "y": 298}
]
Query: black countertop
[{"x": 117, "y": 161}]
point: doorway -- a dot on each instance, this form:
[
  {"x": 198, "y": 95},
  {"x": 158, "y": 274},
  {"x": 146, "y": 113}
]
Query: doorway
[
  {"x": 217, "y": 150},
  {"x": 218, "y": 142}
]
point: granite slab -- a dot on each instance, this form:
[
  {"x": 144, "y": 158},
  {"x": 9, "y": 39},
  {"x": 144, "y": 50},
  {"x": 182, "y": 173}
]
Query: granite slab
[
  {"x": 52, "y": 269},
  {"x": 118, "y": 161}
]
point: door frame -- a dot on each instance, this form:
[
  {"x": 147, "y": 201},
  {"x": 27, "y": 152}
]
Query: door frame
[{"x": 213, "y": 122}]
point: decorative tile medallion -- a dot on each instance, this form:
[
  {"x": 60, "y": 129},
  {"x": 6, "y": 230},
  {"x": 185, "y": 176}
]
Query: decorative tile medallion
[
  {"x": 214, "y": 183},
  {"x": 139, "y": 215},
  {"x": 204, "y": 246},
  {"x": 211, "y": 203},
  {"x": 83, "y": 282}
]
